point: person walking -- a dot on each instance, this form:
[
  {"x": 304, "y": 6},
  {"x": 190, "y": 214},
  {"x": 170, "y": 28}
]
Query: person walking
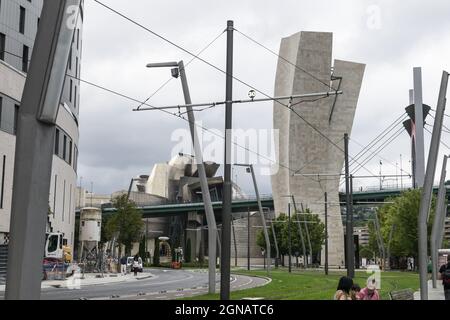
[
  {"x": 123, "y": 265},
  {"x": 370, "y": 292},
  {"x": 136, "y": 265},
  {"x": 343, "y": 290},
  {"x": 444, "y": 272}
]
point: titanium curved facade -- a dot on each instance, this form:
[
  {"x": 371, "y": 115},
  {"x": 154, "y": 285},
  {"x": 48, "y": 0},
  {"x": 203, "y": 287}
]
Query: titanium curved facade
[
  {"x": 301, "y": 148},
  {"x": 19, "y": 21}
]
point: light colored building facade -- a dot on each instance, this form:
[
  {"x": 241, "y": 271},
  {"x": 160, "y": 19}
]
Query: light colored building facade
[
  {"x": 304, "y": 148},
  {"x": 363, "y": 235},
  {"x": 19, "y": 20}
]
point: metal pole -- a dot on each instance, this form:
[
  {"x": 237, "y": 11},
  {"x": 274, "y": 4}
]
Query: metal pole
[
  {"x": 263, "y": 220},
  {"x": 380, "y": 239},
  {"x": 308, "y": 239},
  {"x": 391, "y": 234},
  {"x": 210, "y": 218},
  {"x": 420, "y": 149},
  {"x": 305, "y": 257},
  {"x": 276, "y": 245},
  {"x": 227, "y": 193},
  {"x": 441, "y": 212},
  {"x": 290, "y": 238},
  {"x": 235, "y": 245},
  {"x": 248, "y": 240},
  {"x": 349, "y": 231},
  {"x": 425, "y": 202},
  {"x": 326, "y": 233},
  {"x": 34, "y": 151},
  {"x": 401, "y": 172},
  {"x": 351, "y": 225}
]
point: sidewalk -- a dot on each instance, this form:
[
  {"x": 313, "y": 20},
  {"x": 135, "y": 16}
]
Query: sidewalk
[
  {"x": 91, "y": 280},
  {"x": 433, "y": 294}
]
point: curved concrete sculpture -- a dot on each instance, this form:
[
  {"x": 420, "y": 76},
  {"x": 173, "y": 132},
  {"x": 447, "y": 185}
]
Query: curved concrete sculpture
[{"x": 301, "y": 148}]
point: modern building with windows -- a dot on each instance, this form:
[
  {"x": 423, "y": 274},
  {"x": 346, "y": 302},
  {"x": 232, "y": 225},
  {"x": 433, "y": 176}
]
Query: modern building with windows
[{"x": 19, "y": 21}]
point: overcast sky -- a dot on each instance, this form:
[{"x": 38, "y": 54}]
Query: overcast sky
[{"x": 391, "y": 37}]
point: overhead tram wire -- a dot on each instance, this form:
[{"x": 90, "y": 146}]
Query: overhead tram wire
[
  {"x": 380, "y": 137},
  {"x": 284, "y": 59},
  {"x": 185, "y": 66},
  {"x": 179, "y": 117},
  {"x": 382, "y": 158},
  {"x": 442, "y": 142},
  {"x": 222, "y": 71},
  {"x": 379, "y": 144},
  {"x": 381, "y": 148},
  {"x": 447, "y": 130}
]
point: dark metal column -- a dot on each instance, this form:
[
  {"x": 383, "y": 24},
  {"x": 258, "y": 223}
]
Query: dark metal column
[
  {"x": 349, "y": 231},
  {"x": 227, "y": 190}
]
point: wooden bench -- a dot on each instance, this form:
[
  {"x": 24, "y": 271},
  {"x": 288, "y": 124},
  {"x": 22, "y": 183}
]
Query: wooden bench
[{"x": 406, "y": 294}]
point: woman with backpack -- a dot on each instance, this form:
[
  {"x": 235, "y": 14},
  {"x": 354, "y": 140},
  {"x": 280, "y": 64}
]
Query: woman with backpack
[{"x": 445, "y": 277}]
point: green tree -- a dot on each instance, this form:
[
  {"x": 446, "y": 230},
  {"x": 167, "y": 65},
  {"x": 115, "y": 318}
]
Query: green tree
[
  {"x": 402, "y": 212},
  {"x": 127, "y": 223},
  {"x": 315, "y": 227}
]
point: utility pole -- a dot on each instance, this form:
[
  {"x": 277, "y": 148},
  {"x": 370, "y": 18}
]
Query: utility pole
[
  {"x": 349, "y": 229},
  {"x": 401, "y": 171},
  {"x": 305, "y": 256},
  {"x": 351, "y": 225},
  {"x": 381, "y": 176},
  {"x": 326, "y": 233},
  {"x": 277, "y": 261},
  {"x": 289, "y": 237},
  {"x": 248, "y": 240},
  {"x": 34, "y": 149},
  {"x": 180, "y": 71},
  {"x": 425, "y": 201},
  {"x": 235, "y": 244},
  {"x": 439, "y": 220},
  {"x": 92, "y": 192},
  {"x": 212, "y": 227},
  {"x": 227, "y": 192}
]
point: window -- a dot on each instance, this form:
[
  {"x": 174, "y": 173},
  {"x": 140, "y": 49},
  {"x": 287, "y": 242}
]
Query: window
[
  {"x": 64, "y": 155},
  {"x": 22, "y": 20},
  {"x": 2, "y": 46},
  {"x": 70, "y": 152},
  {"x": 57, "y": 142},
  {"x": 16, "y": 117},
  {"x": 75, "y": 98},
  {"x": 70, "y": 59},
  {"x": 3, "y": 182},
  {"x": 25, "y": 58},
  {"x": 70, "y": 90}
]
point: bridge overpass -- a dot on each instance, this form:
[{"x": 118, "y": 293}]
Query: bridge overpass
[{"x": 375, "y": 197}]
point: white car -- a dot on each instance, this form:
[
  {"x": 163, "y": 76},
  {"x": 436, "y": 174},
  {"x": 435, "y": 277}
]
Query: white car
[{"x": 130, "y": 263}]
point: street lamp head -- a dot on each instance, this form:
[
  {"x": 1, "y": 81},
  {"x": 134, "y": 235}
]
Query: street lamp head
[{"x": 163, "y": 65}]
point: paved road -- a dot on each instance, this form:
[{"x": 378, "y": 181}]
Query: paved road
[{"x": 166, "y": 284}]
